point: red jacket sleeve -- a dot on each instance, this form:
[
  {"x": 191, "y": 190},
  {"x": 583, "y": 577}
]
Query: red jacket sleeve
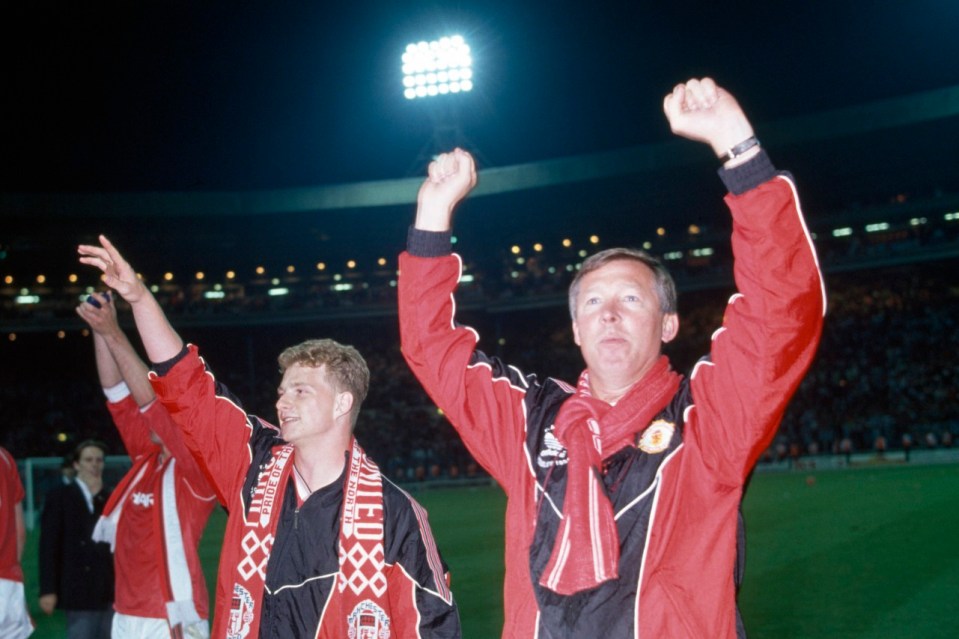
[
  {"x": 215, "y": 428},
  {"x": 769, "y": 334},
  {"x": 160, "y": 422},
  {"x": 481, "y": 396},
  {"x": 133, "y": 427}
]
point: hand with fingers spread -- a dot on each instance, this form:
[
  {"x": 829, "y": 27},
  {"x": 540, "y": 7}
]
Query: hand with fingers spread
[
  {"x": 160, "y": 340},
  {"x": 117, "y": 272},
  {"x": 451, "y": 176},
  {"x": 703, "y": 111}
]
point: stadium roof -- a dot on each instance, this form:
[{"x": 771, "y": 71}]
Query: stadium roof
[
  {"x": 225, "y": 96},
  {"x": 285, "y": 125}
]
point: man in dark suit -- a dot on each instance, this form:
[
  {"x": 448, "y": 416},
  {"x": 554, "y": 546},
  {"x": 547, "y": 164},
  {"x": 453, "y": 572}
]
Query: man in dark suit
[{"x": 76, "y": 573}]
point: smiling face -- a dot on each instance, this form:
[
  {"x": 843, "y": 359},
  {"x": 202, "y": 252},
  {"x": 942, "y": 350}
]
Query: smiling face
[
  {"x": 309, "y": 408},
  {"x": 619, "y": 323}
]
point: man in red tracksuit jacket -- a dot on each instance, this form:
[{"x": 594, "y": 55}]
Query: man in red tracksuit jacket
[
  {"x": 318, "y": 543},
  {"x": 155, "y": 518},
  {"x": 623, "y": 491},
  {"x": 15, "y": 622}
]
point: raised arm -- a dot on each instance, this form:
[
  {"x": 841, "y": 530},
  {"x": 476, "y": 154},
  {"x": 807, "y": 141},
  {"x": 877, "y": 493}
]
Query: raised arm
[
  {"x": 215, "y": 429},
  {"x": 772, "y": 324},
  {"x": 481, "y": 395},
  {"x": 123, "y": 375},
  {"x": 117, "y": 361},
  {"x": 161, "y": 342},
  {"x": 702, "y": 111},
  {"x": 450, "y": 177}
]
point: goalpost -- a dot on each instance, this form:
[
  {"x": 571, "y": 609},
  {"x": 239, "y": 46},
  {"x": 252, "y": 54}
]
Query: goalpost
[{"x": 40, "y": 475}]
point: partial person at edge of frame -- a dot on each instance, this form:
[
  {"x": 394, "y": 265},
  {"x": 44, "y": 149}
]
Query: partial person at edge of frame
[{"x": 155, "y": 517}]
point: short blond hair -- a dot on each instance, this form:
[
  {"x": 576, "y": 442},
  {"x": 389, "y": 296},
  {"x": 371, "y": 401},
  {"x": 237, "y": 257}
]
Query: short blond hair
[{"x": 345, "y": 367}]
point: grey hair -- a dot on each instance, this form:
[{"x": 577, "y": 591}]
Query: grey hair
[{"x": 665, "y": 286}]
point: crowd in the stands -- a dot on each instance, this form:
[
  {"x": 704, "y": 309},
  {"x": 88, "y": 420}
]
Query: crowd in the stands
[
  {"x": 697, "y": 260},
  {"x": 886, "y": 374}
]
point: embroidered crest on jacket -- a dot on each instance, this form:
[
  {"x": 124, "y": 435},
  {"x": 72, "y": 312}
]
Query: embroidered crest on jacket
[
  {"x": 241, "y": 613},
  {"x": 656, "y": 437},
  {"x": 368, "y": 621}
]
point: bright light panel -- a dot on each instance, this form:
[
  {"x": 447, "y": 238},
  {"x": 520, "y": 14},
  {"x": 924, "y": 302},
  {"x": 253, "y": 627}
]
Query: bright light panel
[{"x": 439, "y": 67}]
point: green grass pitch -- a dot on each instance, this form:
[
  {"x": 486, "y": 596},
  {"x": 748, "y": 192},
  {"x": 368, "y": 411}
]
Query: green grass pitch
[{"x": 859, "y": 554}]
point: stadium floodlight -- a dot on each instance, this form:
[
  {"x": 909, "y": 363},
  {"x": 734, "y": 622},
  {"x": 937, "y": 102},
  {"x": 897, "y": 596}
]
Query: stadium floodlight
[{"x": 439, "y": 67}]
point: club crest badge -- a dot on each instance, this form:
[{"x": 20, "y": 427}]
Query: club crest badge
[
  {"x": 241, "y": 613},
  {"x": 656, "y": 437},
  {"x": 368, "y": 621}
]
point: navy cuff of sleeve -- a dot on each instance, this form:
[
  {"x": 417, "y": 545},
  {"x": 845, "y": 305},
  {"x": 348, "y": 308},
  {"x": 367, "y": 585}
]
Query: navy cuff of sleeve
[
  {"x": 429, "y": 243},
  {"x": 749, "y": 175},
  {"x": 162, "y": 368}
]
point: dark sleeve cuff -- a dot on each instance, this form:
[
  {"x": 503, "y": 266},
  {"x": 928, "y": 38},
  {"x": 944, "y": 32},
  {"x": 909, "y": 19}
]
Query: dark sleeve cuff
[
  {"x": 748, "y": 176},
  {"x": 429, "y": 243},
  {"x": 162, "y": 368}
]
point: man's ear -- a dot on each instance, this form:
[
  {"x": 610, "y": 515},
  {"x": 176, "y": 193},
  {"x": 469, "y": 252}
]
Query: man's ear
[
  {"x": 343, "y": 404},
  {"x": 576, "y": 333},
  {"x": 670, "y": 327}
]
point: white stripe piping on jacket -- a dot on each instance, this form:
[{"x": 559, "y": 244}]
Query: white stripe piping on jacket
[
  {"x": 599, "y": 571},
  {"x": 249, "y": 447},
  {"x": 246, "y": 421},
  {"x": 326, "y": 604},
  {"x": 539, "y": 488},
  {"x": 561, "y": 558},
  {"x": 692, "y": 375},
  {"x": 183, "y": 608},
  {"x": 432, "y": 553},
  {"x": 652, "y": 522},
  {"x": 655, "y": 484},
  {"x": 494, "y": 379},
  {"x": 526, "y": 453},
  {"x": 417, "y": 586},
  {"x": 106, "y": 527},
  {"x": 193, "y": 492},
  {"x": 638, "y": 498},
  {"x": 301, "y": 584},
  {"x": 686, "y": 411},
  {"x": 806, "y": 234},
  {"x": 522, "y": 402}
]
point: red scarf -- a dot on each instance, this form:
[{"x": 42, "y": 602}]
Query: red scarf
[
  {"x": 359, "y": 598},
  {"x": 176, "y": 580},
  {"x": 360, "y": 605},
  {"x": 586, "y": 549}
]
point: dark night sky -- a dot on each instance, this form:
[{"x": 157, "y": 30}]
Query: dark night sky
[{"x": 231, "y": 96}]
